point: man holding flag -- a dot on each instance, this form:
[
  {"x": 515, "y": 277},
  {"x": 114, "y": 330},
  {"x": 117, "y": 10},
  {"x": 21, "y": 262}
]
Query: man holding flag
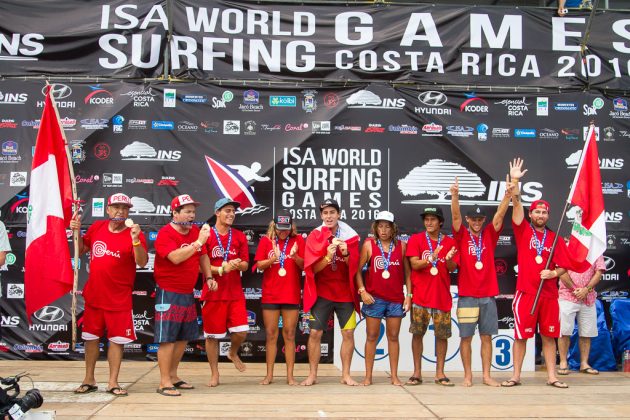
[
  {"x": 331, "y": 262},
  {"x": 47, "y": 269}
]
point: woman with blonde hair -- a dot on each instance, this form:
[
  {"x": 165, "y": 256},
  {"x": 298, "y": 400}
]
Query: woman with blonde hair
[
  {"x": 280, "y": 255},
  {"x": 382, "y": 291}
]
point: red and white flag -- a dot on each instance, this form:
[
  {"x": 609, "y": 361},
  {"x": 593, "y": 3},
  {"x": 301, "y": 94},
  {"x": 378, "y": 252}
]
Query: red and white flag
[
  {"x": 47, "y": 269},
  {"x": 316, "y": 244},
  {"x": 588, "y": 235}
]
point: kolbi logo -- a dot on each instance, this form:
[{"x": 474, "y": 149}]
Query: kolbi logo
[{"x": 282, "y": 101}]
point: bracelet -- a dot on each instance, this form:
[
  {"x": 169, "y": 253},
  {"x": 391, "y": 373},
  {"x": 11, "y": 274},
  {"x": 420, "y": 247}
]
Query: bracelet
[
  {"x": 589, "y": 288},
  {"x": 328, "y": 259},
  {"x": 409, "y": 294},
  {"x": 137, "y": 243},
  {"x": 209, "y": 278},
  {"x": 361, "y": 290}
]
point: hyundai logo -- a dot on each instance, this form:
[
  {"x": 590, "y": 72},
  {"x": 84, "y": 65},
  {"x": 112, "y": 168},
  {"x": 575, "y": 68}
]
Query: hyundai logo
[
  {"x": 49, "y": 314},
  {"x": 58, "y": 90},
  {"x": 432, "y": 98},
  {"x": 610, "y": 263}
]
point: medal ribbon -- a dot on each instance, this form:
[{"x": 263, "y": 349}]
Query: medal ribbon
[
  {"x": 386, "y": 259},
  {"x": 333, "y": 265},
  {"x": 283, "y": 253},
  {"x": 226, "y": 253},
  {"x": 478, "y": 247},
  {"x": 439, "y": 240},
  {"x": 539, "y": 245}
]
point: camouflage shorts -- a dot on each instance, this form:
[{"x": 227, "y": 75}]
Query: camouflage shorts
[{"x": 421, "y": 316}]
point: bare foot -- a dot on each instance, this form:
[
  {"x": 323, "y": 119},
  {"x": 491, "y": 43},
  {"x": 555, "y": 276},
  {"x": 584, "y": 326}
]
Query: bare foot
[
  {"x": 365, "y": 382},
  {"x": 311, "y": 380},
  {"x": 266, "y": 380},
  {"x": 349, "y": 381},
  {"x": 292, "y": 382},
  {"x": 467, "y": 383},
  {"x": 396, "y": 381},
  {"x": 214, "y": 381},
  {"x": 491, "y": 382},
  {"x": 238, "y": 363}
]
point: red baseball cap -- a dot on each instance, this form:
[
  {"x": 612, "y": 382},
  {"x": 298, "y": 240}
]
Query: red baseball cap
[
  {"x": 182, "y": 200},
  {"x": 119, "y": 198},
  {"x": 539, "y": 203}
]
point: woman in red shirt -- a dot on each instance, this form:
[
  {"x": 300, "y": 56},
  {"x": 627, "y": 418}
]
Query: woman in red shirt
[
  {"x": 280, "y": 255},
  {"x": 382, "y": 293}
]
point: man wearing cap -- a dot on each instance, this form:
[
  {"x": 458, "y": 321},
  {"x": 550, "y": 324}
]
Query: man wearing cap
[
  {"x": 115, "y": 247},
  {"x": 533, "y": 245},
  {"x": 330, "y": 262},
  {"x": 431, "y": 257},
  {"x": 180, "y": 251},
  {"x": 223, "y": 309},
  {"x": 477, "y": 280}
]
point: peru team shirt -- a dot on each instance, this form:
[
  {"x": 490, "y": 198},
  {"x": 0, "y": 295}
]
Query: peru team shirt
[
  {"x": 390, "y": 289},
  {"x": 528, "y": 270},
  {"x": 471, "y": 281},
  {"x": 275, "y": 288},
  {"x": 182, "y": 277},
  {"x": 428, "y": 290},
  {"x": 112, "y": 267},
  {"x": 230, "y": 287}
]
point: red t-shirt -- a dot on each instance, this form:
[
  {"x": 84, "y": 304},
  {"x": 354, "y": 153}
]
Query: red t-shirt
[
  {"x": 528, "y": 277},
  {"x": 230, "y": 287},
  {"x": 112, "y": 267},
  {"x": 333, "y": 284},
  {"x": 428, "y": 290},
  {"x": 276, "y": 288},
  {"x": 390, "y": 289},
  {"x": 471, "y": 281},
  {"x": 182, "y": 277}
]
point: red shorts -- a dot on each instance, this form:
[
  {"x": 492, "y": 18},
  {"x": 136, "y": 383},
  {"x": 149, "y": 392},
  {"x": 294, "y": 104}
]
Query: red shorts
[
  {"x": 119, "y": 325},
  {"x": 220, "y": 316},
  {"x": 546, "y": 315}
]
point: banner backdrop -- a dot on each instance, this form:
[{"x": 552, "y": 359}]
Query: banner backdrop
[
  {"x": 238, "y": 40},
  {"x": 371, "y": 147}
]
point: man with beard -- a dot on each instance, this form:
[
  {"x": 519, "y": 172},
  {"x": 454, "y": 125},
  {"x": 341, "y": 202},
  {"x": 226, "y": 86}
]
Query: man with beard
[
  {"x": 331, "y": 262},
  {"x": 431, "y": 257},
  {"x": 223, "y": 309},
  {"x": 179, "y": 251},
  {"x": 115, "y": 246},
  {"x": 477, "y": 280}
]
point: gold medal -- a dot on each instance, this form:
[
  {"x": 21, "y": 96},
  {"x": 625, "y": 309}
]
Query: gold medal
[
  {"x": 434, "y": 271},
  {"x": 385, "y": 274},
  {"x": 129, "y": 223},
  {"x": 282, "y": 272},
  {"x": 478, "y": 265},
  {"x": 538, "y": 259}
]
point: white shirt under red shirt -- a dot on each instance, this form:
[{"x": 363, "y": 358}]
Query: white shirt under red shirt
[
  {"x": 473, "y": 282},
  {"x": 275, "y": 288},
  {"x": 431, "y": 291},
  {"x": 112, "y": 267},
  {"x": 182, "y": 277},
  {"x": 529, "y": 270},
  {"x": 230, "y": 286}
]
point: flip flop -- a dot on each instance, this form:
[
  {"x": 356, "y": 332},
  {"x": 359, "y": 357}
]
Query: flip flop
[
  {"x": 414, "y": 380},
  {"x": 563, "y": 371},
  {"x": 444, "y": 382},
  {"x": 162, "y": 391},
  {"x": 117, "y": 391},
  {"x": 590, "y": 371},
  {"x": 510, "y": 383},
  {"x": 86, "y": 389},
  {"x": 558, "y": 384},
  {"x": 183, "y": 385}
]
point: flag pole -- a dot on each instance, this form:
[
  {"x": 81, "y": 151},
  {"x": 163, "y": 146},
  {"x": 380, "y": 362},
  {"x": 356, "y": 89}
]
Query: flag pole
[
  {"x": 75, "y": 233},
  {"x": 564, "y": 211}
]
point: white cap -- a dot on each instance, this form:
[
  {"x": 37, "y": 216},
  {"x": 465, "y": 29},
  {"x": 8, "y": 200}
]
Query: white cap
[{"x": 385, "y": 215}]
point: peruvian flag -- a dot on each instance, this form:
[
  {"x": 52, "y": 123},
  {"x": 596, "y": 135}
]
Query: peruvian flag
[
  {"x": 588, "y": 235},
  {"x": 47, "y": 270},
  {"x": 316, "y": 244}
]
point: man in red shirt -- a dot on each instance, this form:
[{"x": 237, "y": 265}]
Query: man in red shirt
[
  {"x": 477, "y": 280},
  {"x": 180, "y": 252},
  {"x": 431, "y": 257},
  {"x": 331, "y": 261},
  {"x": 533, "y": 246},
  {"x": 115, "y": 247},
  {"x": 223, "y": 309}
]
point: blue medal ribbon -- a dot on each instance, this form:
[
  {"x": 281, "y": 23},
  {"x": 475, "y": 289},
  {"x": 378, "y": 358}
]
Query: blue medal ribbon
[
  {"x": 478, "y": 247},
  {"x": 283, "y": 253},
  {"x": 540, "y": 246},
  {"x": 386, "y": 259},
  {"x": 226, "y": 253},
  {"x": 439, "y": 240}
]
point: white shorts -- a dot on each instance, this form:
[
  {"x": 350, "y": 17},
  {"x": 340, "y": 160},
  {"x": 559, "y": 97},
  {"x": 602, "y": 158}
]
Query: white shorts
[{"x": 586, "y": 317}]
